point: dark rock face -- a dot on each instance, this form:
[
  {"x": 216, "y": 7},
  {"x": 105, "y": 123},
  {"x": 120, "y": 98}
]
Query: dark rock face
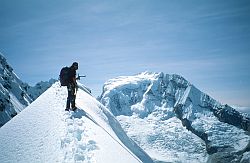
[
  {"x": 229, "y": 115},
  {"x": 15, "y": 95},
  {"x": 234, "y": 157}
]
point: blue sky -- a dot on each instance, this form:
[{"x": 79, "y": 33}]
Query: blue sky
[{"x": 207, "y": 42}]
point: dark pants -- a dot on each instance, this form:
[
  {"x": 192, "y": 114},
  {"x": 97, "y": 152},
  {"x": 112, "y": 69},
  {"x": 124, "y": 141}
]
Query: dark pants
[{"x": 71, "y": 96}]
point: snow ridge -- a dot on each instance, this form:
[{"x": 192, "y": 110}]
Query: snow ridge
[{"x": 44, "y": 132}]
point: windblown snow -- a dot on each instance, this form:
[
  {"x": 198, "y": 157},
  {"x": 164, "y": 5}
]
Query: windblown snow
[{"x": 44, "y": 132}]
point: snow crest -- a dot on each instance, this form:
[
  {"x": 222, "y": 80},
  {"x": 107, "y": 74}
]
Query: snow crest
[{"x": 44, "y": 132}]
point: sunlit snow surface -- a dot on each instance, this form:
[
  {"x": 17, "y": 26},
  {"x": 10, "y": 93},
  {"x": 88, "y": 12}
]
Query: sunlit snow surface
[
  {"x": 165, "y": 140},
  {"x": 44, "y": 132}
]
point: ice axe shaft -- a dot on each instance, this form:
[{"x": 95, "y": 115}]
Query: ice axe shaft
[{"x": 79, "y": 77}]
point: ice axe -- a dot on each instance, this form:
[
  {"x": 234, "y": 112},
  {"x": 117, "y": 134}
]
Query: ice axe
[{"x": 80, "y": 76}]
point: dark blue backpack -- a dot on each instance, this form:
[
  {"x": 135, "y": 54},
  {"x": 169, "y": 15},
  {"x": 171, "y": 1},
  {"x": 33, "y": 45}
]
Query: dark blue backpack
[{"x": 64, "y": 76}]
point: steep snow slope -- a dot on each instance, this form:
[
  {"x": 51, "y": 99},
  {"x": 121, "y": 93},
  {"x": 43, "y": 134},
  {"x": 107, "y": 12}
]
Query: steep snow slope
[
  {"x": 13, "y": 97},
  {"x": 175, "y": 122},
  {"x": 44, "y": 132},
  {"x": 14, "y": 94}
]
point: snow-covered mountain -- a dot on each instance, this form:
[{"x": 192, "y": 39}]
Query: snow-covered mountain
[
  {"x": 44, "y": 132},
  {"x": 15, "y": 95},
  {"x": 173, "y": 121}
]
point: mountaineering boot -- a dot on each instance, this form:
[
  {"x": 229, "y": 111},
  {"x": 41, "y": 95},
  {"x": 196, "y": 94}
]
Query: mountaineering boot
[
  {"x": 74, "y": 108},
  {"x": 67, "y": 109}
]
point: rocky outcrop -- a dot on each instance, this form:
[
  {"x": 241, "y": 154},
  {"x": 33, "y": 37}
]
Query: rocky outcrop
[
  {"x": 229, "y": 115},
  {"x": 15, "y": 95}
]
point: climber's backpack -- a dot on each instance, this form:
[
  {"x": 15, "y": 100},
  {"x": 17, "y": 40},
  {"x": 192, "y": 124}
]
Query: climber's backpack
[{"x": 64, "y": 76}]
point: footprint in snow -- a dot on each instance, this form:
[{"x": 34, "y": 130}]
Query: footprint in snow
[{"x": 76, "y": 145}]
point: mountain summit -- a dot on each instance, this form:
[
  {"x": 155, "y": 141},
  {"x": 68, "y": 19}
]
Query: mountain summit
[
  {"x": 44, "y": 132},
  {"x": 173, "y": 121}
]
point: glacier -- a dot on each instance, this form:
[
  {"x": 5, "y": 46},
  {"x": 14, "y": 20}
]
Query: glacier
[{"x": 173, "y": 121}]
